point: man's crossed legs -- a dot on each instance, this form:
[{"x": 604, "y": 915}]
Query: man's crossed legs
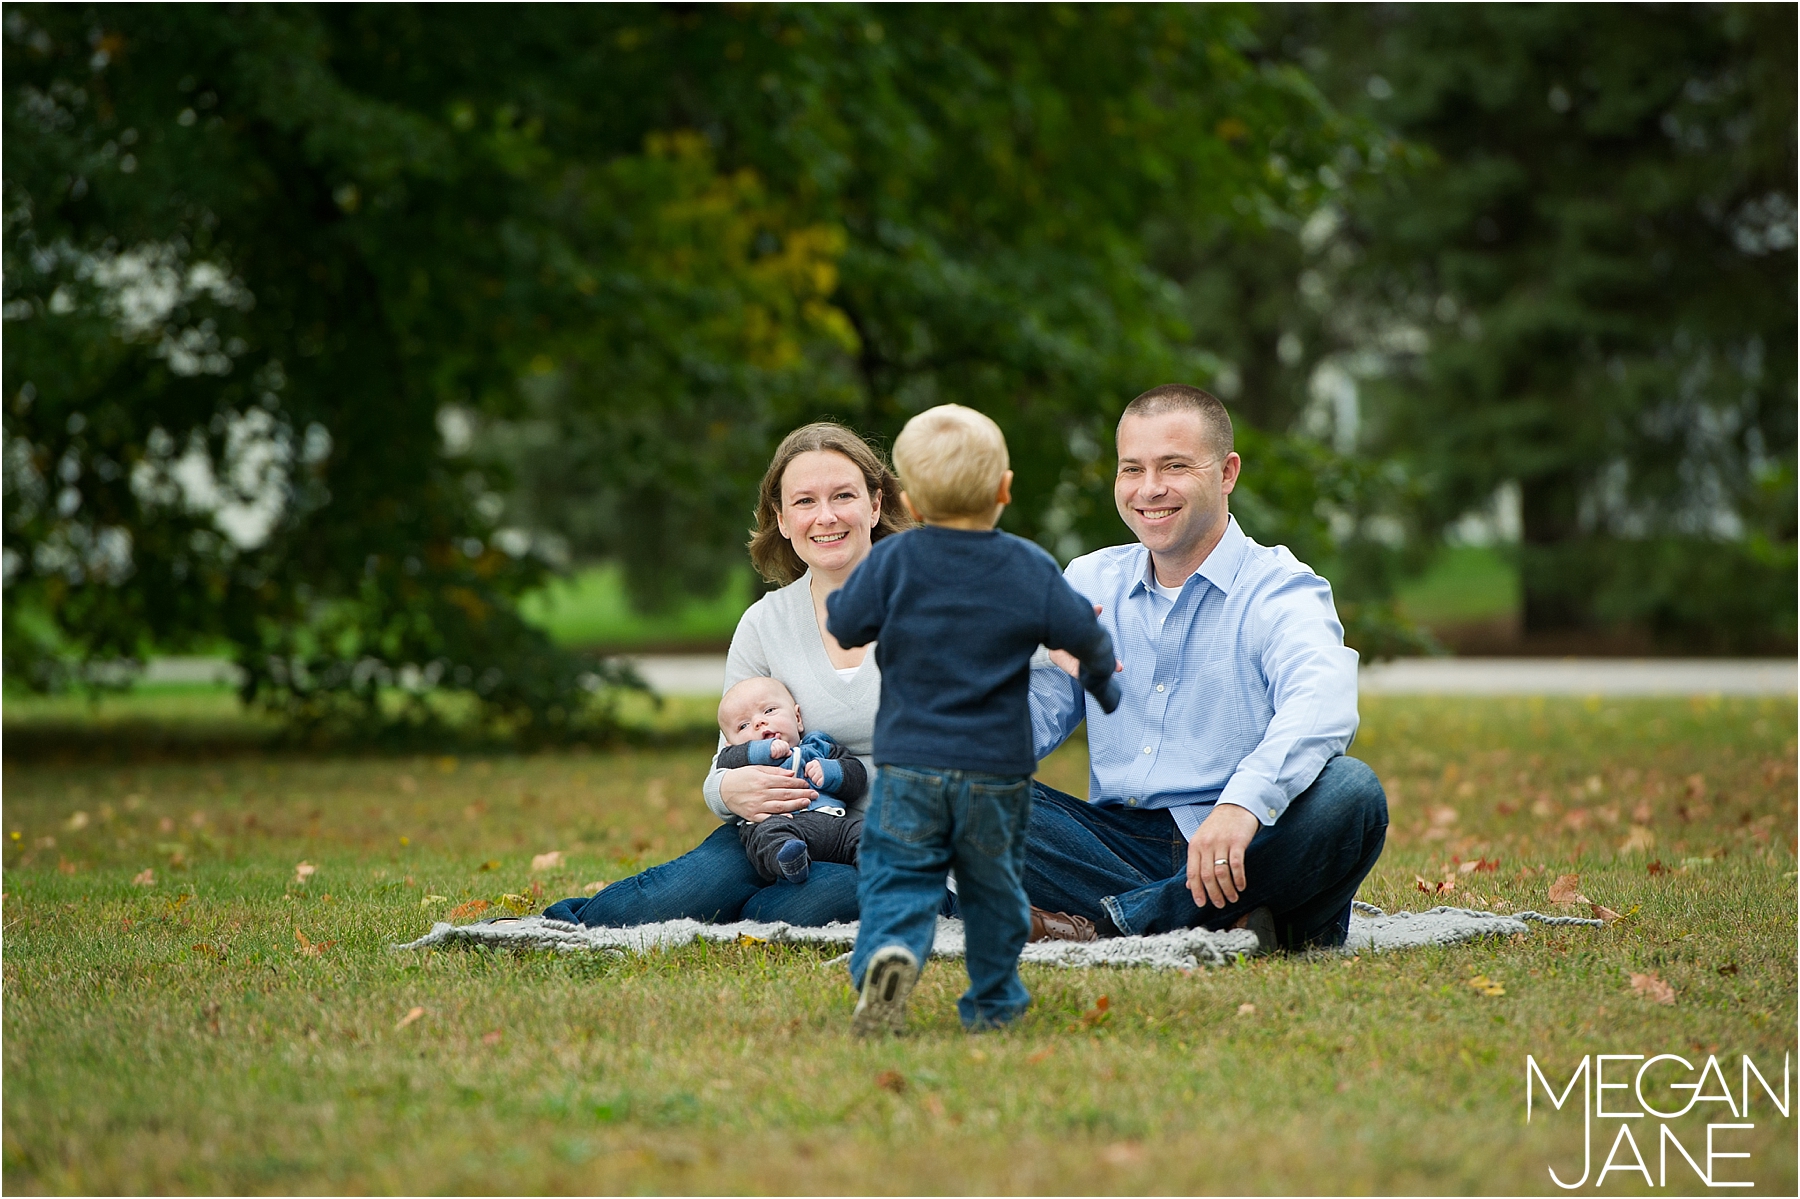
[{"x": 1128, "y": 866}]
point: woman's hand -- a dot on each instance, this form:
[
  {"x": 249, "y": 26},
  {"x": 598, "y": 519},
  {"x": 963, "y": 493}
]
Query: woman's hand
[{"x": 756, "y": 793}]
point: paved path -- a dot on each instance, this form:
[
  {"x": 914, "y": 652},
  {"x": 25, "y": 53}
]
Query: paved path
[{"x": 704, "y": 674}]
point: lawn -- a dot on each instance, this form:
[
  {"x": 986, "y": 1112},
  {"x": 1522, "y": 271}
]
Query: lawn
[
  {"x": 591, "y": 609},
  {"x": 225, "y": 1026}
]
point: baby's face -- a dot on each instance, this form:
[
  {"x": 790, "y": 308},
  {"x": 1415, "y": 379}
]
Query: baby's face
[{"x": 759, "y": 713}]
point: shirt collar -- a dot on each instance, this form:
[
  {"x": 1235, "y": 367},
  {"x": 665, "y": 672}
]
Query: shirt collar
[{"x": 1221, "y": 566}]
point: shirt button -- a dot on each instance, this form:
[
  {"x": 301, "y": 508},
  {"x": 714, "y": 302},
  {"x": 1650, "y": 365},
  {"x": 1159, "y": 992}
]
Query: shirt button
[
  {"x": 1271, "y": 813},
  {"x": 1146, "y": 749},
  {"x": 1159, "y": 686}
]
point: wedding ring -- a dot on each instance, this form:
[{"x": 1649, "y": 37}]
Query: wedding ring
[{"x": 1221, "y": 861}]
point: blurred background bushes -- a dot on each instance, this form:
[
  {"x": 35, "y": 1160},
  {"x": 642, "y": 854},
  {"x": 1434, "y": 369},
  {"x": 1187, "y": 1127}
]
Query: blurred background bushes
[{"x": 334, "y": 331}]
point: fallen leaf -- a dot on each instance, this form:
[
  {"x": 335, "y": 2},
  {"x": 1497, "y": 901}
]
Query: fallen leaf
[
  {"x": 1729, "y": 968},
  {"x": 145, "y": 878},
  {"x": 593, "y": 888},
  {"x": 747, "y": 939},
  {"x": 1122, "y": 1153},
  {"x": 1567, "y": 889},
  {"x": 537, "y": 891},
  {"x": 490, "y": 864},
  {"x": 411, "y": 1016},
  {"x": 1656, "y": 867},
  {"x": 431, "y": 899},
  {"x": 1246, "y": 1009},
  {"x": 304, "y": 871},
  {"x": 891, "y": 1080},
  {"x": 1638, "y": 840},
  {"x": 491, "y": 1038},
  {"x": 1653, "y": 988},
  {"x": 1448, "y": 884},
  {"x": 1443, "y": 815},
  {"x": 311, "y": 949},
  {"x": 1040, "y": 1056},
  {"x": 1487, "y": 986},
  {"x": 474, "y": 907},
  {"x": 77, "y": 822},
  {"x": 934, "y": 1106},
  {"x": 548, "y": 861},
  {"x": 517, "y": 904},
  {"x": 65, "y": 866},
  {"x": 1603, "y": 914},
  {"x": 1097, "y": 1014},
  {"x": 211, "y": 951},
  {"x": 1423, "y": 885}
]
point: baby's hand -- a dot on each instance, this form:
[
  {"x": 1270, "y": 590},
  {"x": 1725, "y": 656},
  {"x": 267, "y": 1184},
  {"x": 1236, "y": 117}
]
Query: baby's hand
[
  {"x": 779, "y": 750},
  {"x": 815, "y": 770}
]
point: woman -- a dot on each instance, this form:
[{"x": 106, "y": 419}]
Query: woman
[{"x": 825, "y": 499}]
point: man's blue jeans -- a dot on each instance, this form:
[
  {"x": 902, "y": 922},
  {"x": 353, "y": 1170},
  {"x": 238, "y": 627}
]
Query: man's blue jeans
[
  {"x": 1129, "y": 865},
  {"x": 923, "y": 822}
]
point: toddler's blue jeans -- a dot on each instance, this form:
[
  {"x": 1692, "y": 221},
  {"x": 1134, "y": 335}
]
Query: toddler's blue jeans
[{"x": 923, "y": 822}]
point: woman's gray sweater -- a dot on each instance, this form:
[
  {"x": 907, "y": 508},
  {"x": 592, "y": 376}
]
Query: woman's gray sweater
[{"x": 779, "y": 638}]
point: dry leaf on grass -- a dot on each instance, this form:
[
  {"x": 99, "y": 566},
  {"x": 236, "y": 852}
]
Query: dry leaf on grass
[
  {"x": 410, "y": 1016},
  {"x": 146, "y": 878},
  {"x": 490, "y": 864},
  {"x": 1039, "y": 1056},
  {"x": 891, "y": 1080},
  {"x": 593, "y": 888},
  {"x": 1655, "y": 868},
  {"x": 1638, "y": 840},
  {"x": 1122, "y": 1153},
  {"x": 474, "y": 907},
  {"x": 310, "y": 948},
  {"x": 1607, "y": 915},
  {"x": 1653, "y": 988},
  {"x": 491, "y": 1038},
  {"x": 552, "y": 860},
  {"x": 1567, "y": 889},
  {"x": 1097, "y": 1014},
  {"x": 1487, "y": 986},
  {"x": 304, "y": 871},
  {"x": 1246, "y": 1009},
  {"x": 431, "y": 899}
]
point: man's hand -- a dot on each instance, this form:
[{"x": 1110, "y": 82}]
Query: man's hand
[
  {"x": 815, "y": 770},
  {"x": 1070, "y": 665},
  {"x": 1222, "y": 837}
]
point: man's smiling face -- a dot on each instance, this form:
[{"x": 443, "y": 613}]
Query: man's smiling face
[{"x": 1171, "y": 487}]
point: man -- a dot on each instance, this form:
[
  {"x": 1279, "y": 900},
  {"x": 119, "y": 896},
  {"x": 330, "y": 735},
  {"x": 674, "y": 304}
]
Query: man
[{"x": 1220, "y": 793}]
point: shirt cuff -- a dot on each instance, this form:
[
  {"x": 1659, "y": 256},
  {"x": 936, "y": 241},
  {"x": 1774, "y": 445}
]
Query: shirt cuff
[{"x": 1260, "y": 797}]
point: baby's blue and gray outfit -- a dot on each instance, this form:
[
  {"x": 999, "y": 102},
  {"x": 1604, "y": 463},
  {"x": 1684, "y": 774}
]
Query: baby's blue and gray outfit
[{"x": 830, "y": 831}]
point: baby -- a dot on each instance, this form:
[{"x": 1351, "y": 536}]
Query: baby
[{"x": 762, "y": 726}]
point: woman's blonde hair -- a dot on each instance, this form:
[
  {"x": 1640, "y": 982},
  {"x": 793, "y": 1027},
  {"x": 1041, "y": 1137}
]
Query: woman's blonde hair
[{"x": 770, "y": 552}]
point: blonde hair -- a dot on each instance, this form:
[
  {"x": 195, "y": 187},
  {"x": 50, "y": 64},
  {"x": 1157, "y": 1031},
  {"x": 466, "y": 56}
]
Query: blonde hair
[
  {"x": 951, "y": 460},
  {"x": 771, "y": 553}
]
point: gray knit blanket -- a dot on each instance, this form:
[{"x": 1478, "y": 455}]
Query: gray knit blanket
[{"x": 1371, "y": 931}]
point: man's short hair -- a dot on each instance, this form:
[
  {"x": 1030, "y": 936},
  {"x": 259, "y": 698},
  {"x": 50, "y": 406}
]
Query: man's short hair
[
  {"x": 1179, "y": 397},
  {"x": 950, "y": 460}
]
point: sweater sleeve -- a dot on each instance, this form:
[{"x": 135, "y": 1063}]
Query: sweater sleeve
[
  {"x": 852, "y": 782},
  {"x": 855, "y": 611},
  {"x": 1069, "y": 624},
  {"x": 747, "y": 658}
]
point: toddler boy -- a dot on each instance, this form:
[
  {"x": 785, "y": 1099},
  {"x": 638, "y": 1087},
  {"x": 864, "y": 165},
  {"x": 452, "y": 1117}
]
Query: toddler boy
[
  {"x": 956, "y": 610},
  {"x": 762, "y": 727}
]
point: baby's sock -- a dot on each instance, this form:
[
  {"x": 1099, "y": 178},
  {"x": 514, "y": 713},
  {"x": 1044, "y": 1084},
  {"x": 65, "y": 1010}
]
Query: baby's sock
[{"x": 794, "y": 862}]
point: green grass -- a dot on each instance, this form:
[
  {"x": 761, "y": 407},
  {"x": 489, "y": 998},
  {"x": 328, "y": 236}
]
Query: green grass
[
  {"x": 1467, "y": 584},
  {"x": 177, "y": 1037},
  {"x": 591, "y": 609}
]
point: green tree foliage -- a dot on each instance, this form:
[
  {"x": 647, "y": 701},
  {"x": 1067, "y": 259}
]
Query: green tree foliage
[
  {"x": 1587, "y": 288},
  {"x": 319, "y": 318}
]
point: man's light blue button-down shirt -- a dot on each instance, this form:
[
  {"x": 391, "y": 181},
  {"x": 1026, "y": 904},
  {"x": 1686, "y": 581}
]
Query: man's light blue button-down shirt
[{"x": 1237, "y": 692}]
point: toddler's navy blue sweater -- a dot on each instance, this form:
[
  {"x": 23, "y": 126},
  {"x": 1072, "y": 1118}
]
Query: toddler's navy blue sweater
[{"x": 956, "y": 615}]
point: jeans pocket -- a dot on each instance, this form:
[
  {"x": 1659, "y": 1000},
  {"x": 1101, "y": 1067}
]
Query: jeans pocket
[
  {"x": 909, "y": 806},
  {"x": 997, "y": 815}
]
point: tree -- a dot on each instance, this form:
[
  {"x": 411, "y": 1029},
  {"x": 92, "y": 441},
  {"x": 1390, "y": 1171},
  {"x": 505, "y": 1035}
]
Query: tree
[{"x": 1588, "y": 291}]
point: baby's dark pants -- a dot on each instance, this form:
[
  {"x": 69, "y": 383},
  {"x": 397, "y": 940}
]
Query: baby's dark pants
[{"x": 828, "y": 839}]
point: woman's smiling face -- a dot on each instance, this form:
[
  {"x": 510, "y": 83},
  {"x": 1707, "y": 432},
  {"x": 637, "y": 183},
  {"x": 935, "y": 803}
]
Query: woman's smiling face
[{"x": 826, "y": 511}]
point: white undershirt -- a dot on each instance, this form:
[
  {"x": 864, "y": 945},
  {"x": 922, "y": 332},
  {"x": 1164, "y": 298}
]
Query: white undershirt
[{"x": 847, "y": 672}]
